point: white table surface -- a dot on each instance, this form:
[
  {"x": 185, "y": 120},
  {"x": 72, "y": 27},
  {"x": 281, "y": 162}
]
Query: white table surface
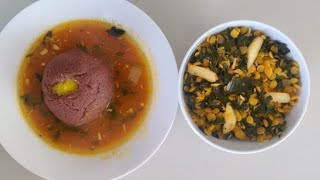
[{"x": 184, "y": 155}]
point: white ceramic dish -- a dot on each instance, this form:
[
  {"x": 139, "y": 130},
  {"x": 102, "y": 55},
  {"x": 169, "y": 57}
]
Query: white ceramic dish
[
  {"x": 34, "y": 154},
  {"x": 293, "y": 119}
]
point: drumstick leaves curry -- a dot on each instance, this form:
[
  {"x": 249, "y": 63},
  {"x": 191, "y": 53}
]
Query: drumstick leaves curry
[{"x": 254, "y": 76}]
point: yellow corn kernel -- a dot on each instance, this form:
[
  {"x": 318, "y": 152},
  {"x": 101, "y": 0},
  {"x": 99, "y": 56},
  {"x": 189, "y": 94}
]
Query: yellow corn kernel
[
  {"x": 273, "y": 76},
  {"x": 294, "y": 98},
  {"x": 235, "y": 33},
  {"x": 294, "y": 70},
  {"x": 199, "y": 48},
  {"x": 207, "y": 132},
  {"x": 186, "y": 88},
  {"x": 207, "y": 91},
  {"x": 288, "y": 89},
  {"x": 212, "y": 39},
  {"x": 220, "y": 115},
  {"x": 274, "y": 49},
  {"x": 232, "y": 98},
  {"x": 243, "y": 114},
  {"x": 266, "y": 64},
  {"x": 260, "y": 138},
  {"x": 240, "y": 134},
  {"x": 297, "y": 86},
  {"x": 257, "y": 33},
  {"x": 197, "y": 63},
  {"x": 281, "y": 121},
  {"x": 261, "y": 130},
  {"x": 197, "y": 106},
  {"x": 252, "y": 69},
  {"x": 260, "y": 68},
  {"x": 253, "y": 101},
  {"x": 271, "y": 117},
  {"x": 220, "y": 39},
  {"x": 295, "y": 64},
  {"x": 206, "y": 62},
  {"x": 211, "y": 127},
  {"x": 294, "y": 80},
  {"x": 268, "y": 136},
  {"x": 208, "y": 38},
  {"x": 240, "y": 72},
  {"x": 238, "y": 115},
  {"x": 258, "y": 88},
  {"x": 277, "y": 70},
  {"x": 256, "y": 75},
  {"x": 273, "y": 84},
  {"x": 268, "y": 72},
  {"x": 260, "y": 55},
  {"x": 265, "y": 123},
  {"x": 216, "y": 111},
  {"x": 198, "y": 79},
  {"x": 270, "y": 54},
  {"x": 200, "y": 122},
  {"x": 280, "y": 110},
  {"x": 211, "y": 117},
  {"x": 243, "y": 49},
  {"x": 244, "y": 29},
  {"x": 275, "y": 122},
  {"x": 192, "y": 89},
  {"x": 249, "y": 120},
  {"x": 259, "y": 61},
  {"x": 207, "y": 110}
]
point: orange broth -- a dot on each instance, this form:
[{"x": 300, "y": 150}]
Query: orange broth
[{"x": 130, "y": 100}]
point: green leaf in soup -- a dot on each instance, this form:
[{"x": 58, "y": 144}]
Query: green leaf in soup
[
  {"x": 31, "y": 99},
  {"x": 38, "y": 77},
  {"x": 116, "y": 32},
  {"x": 46, "y": 37},
  {"x": 82, "y": 47},
  {"x": 239, "y": 85}
]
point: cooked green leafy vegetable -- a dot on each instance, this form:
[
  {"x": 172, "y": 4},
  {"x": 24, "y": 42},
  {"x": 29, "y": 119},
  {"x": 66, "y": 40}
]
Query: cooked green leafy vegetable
[
  {"x": 258, "y": 91},
  {"x": 116, "y": 32},
  {"x": 46, "y": 37}
]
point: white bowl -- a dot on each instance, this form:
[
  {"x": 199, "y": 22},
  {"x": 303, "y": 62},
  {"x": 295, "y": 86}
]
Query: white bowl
[
  {"x": 293, "y": 119},
  {"x": 34, "y": 154}
]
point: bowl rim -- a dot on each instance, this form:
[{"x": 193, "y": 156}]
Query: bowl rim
[{"x": 185, "y": 60}]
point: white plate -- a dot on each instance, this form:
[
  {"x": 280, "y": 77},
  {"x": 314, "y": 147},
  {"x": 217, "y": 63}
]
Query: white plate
[{"x": 34, "y": 154}]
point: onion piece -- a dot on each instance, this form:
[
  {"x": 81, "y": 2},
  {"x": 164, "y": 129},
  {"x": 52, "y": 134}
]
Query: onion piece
[
  {"x": 230, "y": 119},
  {"x": 135, "y": 74},
  {"x": 279, "y": 97},
  {"x": 253, "y": 50},
  {"x": 204, "y": 73}
]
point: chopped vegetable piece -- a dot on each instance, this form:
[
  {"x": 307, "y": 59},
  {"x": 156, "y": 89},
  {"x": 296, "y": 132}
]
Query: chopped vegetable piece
[
  {"x": 230, "y": 119},
  {"x": 239, "y": 85},
  {"x": 116, "y": 32},
  {"x": 134, "y": 74},
  {"x": 253, "y": 50},
  {"x": 279, "y": 97},
  {"x": 202, "y": 72}
]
